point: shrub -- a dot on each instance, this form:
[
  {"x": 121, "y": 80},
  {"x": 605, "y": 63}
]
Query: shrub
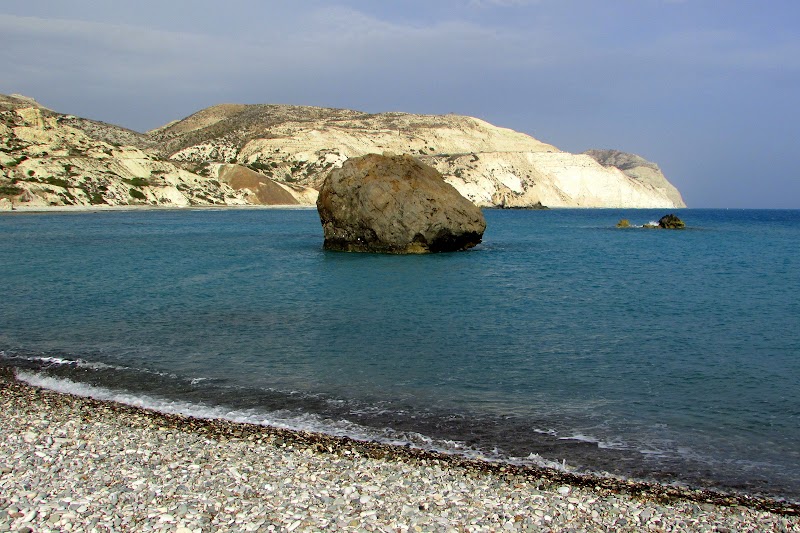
[
  {"x": 136, "y": 182},
  {"x": 58, "y": 182},
  {"x": 258, "y": 166},
  {"x": 201, "y": 169},
  {"x": 70, "y": 170},
  {"x": 96, "y": 198},
  {"x": 135, "y": 193},
  {"x": 67, "y": 198},
  {"x": 13, "y": 163},
  {"x": 9, "y": 190}
]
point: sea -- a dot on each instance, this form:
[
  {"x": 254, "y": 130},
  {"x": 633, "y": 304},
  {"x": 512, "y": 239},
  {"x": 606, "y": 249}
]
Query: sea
[{"x": 560, "y": 341}]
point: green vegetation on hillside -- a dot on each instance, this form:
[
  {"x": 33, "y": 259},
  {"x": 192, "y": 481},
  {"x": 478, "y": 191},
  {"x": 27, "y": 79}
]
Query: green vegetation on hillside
[
  {"x": 9, "y": 190},
  {"x": 135, "y": 193}
]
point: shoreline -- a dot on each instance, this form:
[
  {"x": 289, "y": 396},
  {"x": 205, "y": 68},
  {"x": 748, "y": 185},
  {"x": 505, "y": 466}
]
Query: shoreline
[
  {"x": 214, "y": 207},
  {"x": 193, "y": 449},
  {"x": 111, "y": 208}
]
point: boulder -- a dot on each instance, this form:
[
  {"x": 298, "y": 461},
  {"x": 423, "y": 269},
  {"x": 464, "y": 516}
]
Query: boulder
[
  {"x": 670, "y": 222},
  {"x": 395, "y": 204}
]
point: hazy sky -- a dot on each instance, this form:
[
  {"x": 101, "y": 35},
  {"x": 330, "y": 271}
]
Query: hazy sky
[{"x": 710, "y": 90}]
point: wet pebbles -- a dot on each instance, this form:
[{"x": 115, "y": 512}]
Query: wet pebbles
[{"x": 76, "y": 464}]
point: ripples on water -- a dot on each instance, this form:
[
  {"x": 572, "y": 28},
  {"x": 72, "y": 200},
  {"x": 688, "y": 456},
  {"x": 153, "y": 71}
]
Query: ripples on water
[{"x": 659, "y": 354}]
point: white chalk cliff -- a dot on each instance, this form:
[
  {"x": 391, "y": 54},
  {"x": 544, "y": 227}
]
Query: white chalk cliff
[{"x": 234, "y": 154}]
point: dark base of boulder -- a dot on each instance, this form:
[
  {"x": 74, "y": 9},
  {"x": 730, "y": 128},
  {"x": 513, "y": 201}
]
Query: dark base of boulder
[{"x": 445, "y": 243}]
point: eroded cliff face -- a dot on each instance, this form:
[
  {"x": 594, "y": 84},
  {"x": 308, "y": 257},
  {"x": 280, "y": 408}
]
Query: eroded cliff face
[
  {"x": 554, "y": 179},
  {"x": 235, "y": 154},
  {"x": 640, "y": 169},
  {"x": 492, "y": 166}
]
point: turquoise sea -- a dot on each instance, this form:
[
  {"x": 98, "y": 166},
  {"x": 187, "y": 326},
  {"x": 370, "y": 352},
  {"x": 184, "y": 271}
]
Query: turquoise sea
[{"x": 560, "y": 340}]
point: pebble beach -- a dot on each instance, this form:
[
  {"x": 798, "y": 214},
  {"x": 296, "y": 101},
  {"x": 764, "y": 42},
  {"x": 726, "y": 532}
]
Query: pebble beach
[{"x": 69, "y": 463}]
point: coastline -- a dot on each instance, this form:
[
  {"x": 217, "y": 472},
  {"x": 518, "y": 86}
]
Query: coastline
[
  {"x": 100, "y": 465},
  {"x": 105, "y": 208}
]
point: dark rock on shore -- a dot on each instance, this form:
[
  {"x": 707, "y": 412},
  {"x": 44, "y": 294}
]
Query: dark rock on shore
[
  {"x": 395, "y": 204},
  {"x": 537, "y": 205},
  {"x": 671, "y": 222}
]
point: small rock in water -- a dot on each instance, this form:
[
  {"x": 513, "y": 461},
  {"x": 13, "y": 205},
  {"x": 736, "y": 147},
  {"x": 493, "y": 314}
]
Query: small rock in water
[{"x": 671, "y": 222}]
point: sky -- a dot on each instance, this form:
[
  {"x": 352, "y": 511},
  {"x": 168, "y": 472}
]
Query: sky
[{"x": 708, "y": 89}]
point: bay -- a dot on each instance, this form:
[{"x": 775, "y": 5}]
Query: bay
[{"x": 560, "y": 340}]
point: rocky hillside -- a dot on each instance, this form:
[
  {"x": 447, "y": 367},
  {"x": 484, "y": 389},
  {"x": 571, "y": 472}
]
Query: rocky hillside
[
  {"x": 50, "y": 159},
  {"x": 234, "y": 154},
  {"x": 492, "y": 166}
]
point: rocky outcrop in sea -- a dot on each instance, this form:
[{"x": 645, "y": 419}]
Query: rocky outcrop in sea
[{"x": 395, "y": 204}]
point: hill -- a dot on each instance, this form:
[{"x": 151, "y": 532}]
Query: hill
[{"x": 233, "y": 154}]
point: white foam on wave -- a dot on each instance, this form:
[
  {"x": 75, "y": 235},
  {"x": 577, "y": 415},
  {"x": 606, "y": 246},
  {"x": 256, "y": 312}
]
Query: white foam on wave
[
  {"x": 602, "y": 444},
  {"x": 535, "y": 459},
  {"x": 48, "y": 361},
  {"x": 68, "y": 386},
  {"x": 278, "y": 419},
  {"x": 580, "y": 438},
  {"x": 294, "y": 421}
]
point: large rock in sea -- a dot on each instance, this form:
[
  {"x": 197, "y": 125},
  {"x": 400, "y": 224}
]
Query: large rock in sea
[{"x": 395, "y": 204}]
